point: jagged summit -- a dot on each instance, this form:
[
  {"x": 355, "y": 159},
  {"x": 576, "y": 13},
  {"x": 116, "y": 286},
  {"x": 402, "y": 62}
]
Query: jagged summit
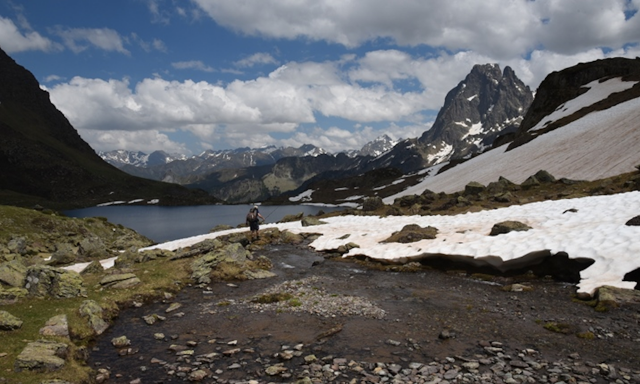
[{"x": 486, "y": 103}]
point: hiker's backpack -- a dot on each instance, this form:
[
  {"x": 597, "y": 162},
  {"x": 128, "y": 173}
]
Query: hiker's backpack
[{"x": 252, "y": 216}]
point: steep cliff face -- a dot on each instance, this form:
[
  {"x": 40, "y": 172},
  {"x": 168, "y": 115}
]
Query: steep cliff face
[
  {"x": 488, "y": 102},
  {"x": 559, "y": 87},
  {"x": 44, "y": 160}
]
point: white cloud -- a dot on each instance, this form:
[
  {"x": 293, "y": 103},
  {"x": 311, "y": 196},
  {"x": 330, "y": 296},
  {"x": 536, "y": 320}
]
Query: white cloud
[
  {"x": 13, "y": 40},
  {"x": 146, "y": 141},
  {"x": 496, "y": 28},
  {"x": 195, "y": 64},
  {"x": 260, "y": 58},
  {"x": 79, "y": 39}
]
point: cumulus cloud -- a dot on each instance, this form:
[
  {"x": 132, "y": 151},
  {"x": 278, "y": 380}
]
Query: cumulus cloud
[
  {"x": 494, "y": 28},
  {"x": 80, "y": 39},
  {"x": 146, "y": 141},
  {"x": 12, "y": 39},
  {"x": 255, "y": 112}
]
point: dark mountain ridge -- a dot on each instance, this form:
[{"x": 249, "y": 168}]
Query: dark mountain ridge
[{"x": 43, "y": 159}]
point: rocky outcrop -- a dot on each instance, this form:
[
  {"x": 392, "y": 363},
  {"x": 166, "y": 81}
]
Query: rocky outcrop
[
  {"x": 42, "y": 356},
  {"x": 43, "y": 280},
  {"x": 232, "y": 253},
  {"x": 120, "y": 281},
  {"x": 92, "y": 311}
]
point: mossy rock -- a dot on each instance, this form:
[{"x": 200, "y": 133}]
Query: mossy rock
[{"x": 508, "y": 226}]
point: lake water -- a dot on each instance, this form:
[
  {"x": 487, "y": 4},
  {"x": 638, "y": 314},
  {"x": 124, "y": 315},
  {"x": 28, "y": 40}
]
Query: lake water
[{"x": 162, "y": 224}]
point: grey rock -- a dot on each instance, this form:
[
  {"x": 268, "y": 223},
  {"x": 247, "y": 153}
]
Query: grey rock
[
  {"x": 508, "y": 226},
  {"x": 56, "y": 326},
  {"x": 42, "y": 356},
  {"x": 13, "y": 273},
  {"x": 91, "y": 310},
  {"x": 44, "y": 280},
  {"x": 8, "y": 322}
]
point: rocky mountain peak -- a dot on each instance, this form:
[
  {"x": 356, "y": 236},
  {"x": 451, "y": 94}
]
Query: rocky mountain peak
[{"x": 486, "y": 103}]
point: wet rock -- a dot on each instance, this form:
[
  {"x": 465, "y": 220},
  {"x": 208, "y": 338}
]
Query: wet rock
[
  {"x": 153, "y": 318},
  {"x": 42, "y": 356},
  {"x": 56, "y": 326},
  {"x": 8, "y": 322},
  {"x": 120, "y": 342},
  {"x": 44, "y": 280},
  {"x": 232, "y": 253},
  {"x": 612, "y": 297},
  {"x": 173, "y": 307},
  {"x": 91, "y": 310},
  {"x": 120, "y": 281},
  {"x": 508, "y": 226},
  {"x": 259, "y": 274}
]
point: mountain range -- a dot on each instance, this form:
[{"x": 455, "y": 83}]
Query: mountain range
[
  {"x": 582, "y": 124},
  {"x": 486, "y": 104}
]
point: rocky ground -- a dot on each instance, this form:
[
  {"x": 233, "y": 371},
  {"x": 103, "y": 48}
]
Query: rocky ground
[{"x": 320, "y": 320}]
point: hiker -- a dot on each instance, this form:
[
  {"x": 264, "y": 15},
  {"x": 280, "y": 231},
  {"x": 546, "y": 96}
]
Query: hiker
[{"x": 253, "y": 220}]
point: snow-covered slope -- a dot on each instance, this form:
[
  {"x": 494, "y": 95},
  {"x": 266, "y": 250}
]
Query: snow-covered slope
[{"x": 599, "y": 145}]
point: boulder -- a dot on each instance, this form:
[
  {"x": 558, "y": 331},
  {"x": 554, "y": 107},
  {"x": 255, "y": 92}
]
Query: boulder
[
  {"x": 17, "y": 245},
  {"x": 93, "y": 267},
  {"x": 474, "y": 188},
  {"x": 44, "y": 280},
  {"x": 508, "y": 226},
  {"x": 291, "y": 238},
  {"x": 530, "y": 182},
  {"x": 233, "y": 253},
  {"x": 291, "y": 218},
  {"x": 42, "y": 356},
  {"x": 544, "y": 177},
  {"x": 8, "y": 322},
  {"x": 259, "y": 274},
  {"x": 92, "y": 247},
  {"x": 120, "y": 281},
  {"x": 634, "y": 221},
  {"x": 56, "y": 326},
  {"x": 11, "y": 295},
  {"x": 92, "y": 311},
  {"x": 412, "y": 233},
  {"x": 308, "y": 221},
  {"x": 13, "y": 273},
  {"x": 501, "y": 186},
  {"x": 612, "y": 297},
  {"x": 121, "y": 341},
  {"x": 64, "y": 254},
  {"x": 372, "y": 203}
]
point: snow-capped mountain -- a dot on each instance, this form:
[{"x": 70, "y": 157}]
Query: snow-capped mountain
[
  {"x": 378, "y": 146},
  {"x": 121, "y": 157},
  {"x": 488, "y": 102}
]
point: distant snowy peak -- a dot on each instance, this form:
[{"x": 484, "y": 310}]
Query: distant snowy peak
[
  {"x": 121, "y": 157},
  {"x": 378, "y": 146},
  {"x": 488, "y": 102}
]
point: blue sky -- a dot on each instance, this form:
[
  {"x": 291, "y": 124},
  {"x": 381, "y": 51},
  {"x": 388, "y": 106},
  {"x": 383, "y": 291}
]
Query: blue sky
[{"x": 189, "y": 75}]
